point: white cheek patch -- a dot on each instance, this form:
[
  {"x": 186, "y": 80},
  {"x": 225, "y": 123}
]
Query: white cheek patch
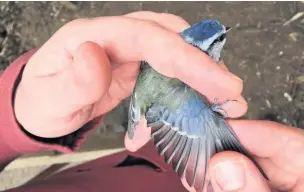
[
  {"x": 203, "y": 45},
  {"x": 215, "y": 52}
]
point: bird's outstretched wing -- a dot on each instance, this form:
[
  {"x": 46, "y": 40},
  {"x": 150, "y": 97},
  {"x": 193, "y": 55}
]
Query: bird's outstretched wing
[{"x": 189, "y": 136}]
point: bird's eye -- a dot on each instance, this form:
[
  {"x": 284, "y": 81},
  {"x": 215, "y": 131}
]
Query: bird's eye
[
  {"x": 222, "y": 37},
  {"x": 219, "y": 39}
]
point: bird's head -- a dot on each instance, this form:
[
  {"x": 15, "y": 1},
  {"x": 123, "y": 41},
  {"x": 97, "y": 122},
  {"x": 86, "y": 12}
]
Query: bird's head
[{"x": 209, "y": 36}]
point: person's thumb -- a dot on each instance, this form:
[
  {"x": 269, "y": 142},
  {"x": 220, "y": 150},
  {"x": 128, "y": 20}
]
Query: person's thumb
[
  {"x": 52, "y": 101},
  {"x": 231, "y": 171},
  {"x": 90, "y": 75}
]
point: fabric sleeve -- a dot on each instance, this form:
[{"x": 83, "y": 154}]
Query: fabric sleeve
[{"x": 14, "y": 140}]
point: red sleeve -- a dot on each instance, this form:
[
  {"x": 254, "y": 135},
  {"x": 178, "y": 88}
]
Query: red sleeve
[{"x": 14, "y": 141}]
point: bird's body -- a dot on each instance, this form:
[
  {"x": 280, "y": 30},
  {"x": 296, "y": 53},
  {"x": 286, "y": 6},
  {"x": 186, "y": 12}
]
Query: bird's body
[{"x": 186, "y": 129}]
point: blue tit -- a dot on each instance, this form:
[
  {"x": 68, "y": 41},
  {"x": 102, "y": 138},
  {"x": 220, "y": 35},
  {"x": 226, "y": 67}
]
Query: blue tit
[{"x": 186, "y": 129}]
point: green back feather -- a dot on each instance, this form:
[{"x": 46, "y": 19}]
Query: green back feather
[{"x": 152, "y": 87}]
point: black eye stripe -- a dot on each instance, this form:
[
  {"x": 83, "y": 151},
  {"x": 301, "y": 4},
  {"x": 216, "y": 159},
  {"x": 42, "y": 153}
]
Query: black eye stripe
[{"x": 220, "y": 38}]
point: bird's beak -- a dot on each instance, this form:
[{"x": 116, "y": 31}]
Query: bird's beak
[{"x": 228, "y": 29}]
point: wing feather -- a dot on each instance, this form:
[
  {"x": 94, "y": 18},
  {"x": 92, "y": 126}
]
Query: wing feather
[
  {"x": 134, "y": 115},
  {"x": 189, "y": 136}
]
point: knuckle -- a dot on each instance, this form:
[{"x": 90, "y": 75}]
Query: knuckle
[
  {"x": 152, "y": 23},
  {"x": 139, "y": 13},
  {"x": 174, "y": 22},
  {"x": 173, "y": 17},
  {"x": 76, "y": 22}
]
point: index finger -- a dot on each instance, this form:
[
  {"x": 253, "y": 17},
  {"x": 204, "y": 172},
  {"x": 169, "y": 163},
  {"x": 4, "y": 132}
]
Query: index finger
[
  {"x": 279, "y": 150},
  {"x": 266, "y": 138},
  {"x": 283, "y": 145},
  {"x": 131, "y": 40}
]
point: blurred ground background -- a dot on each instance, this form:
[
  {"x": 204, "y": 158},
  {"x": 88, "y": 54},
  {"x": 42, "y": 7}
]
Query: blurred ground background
[{"x": 265, "y": 48}]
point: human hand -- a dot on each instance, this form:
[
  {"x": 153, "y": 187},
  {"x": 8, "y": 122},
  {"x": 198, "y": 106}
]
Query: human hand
[
  {"x": 89, "y": 65},
  {"x": 279, "y": 149}
]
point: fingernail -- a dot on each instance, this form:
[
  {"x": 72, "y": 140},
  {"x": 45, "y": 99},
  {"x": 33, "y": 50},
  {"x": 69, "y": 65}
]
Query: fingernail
[
  {"x": 230, "y": 175},
  {"x": 242, "y": 100},
  {"x": 223, "y": 66},
  {"x": 236, "y": 77}
]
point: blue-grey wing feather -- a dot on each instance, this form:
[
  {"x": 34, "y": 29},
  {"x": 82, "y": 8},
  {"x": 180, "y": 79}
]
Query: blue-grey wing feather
[
  {"x": 134, "y": 115},
  {"x": 190, "y": 135}
]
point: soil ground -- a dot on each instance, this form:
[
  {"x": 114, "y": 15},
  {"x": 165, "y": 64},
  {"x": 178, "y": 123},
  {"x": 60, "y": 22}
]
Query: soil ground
[{"x": 265, "y": 53}]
